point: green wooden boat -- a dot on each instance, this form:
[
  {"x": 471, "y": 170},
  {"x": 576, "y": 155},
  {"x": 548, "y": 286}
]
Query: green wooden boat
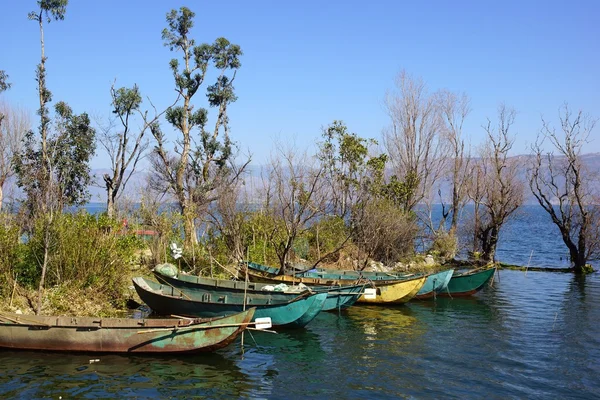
[
  {"x": 338, "y": 297},
  {"x": 168, "y": 300},
  {"x": 261, "y": 268},
  {"x": 468, "y": 283},
  {"x": 120, "y": 335}
]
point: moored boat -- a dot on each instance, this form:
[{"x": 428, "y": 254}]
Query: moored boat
[
  {"x": 165, "y": 299},
  {"x": 435, "y": 283},
  {"x": 338, "y": 297},
  {"x": 120, "y": 335},
  {"x": 395, "y": 292},
  {"x": 468, "y": 283}
]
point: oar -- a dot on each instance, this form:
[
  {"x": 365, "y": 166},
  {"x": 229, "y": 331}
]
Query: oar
[{"x": 259, "y": 324}]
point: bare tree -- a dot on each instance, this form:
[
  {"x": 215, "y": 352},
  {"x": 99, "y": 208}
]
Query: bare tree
[
  {"x": 454, "y": 110},
  {"x": 228, "y": 214},
  {"x": 292, "y": 194},
  {"x": 126, "y": 145},
  {"x": 413, "y": 141},
  {"x": 13, "y": 126},
  {"x": 565, "y": 188},
  {"x": 500, "y": 190}
]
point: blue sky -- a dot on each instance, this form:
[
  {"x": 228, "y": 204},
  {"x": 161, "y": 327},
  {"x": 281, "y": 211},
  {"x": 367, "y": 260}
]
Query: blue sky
[{"x": 308, "y": 63}]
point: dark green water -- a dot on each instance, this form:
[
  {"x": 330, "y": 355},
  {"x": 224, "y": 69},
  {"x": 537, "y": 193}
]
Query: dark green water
[{"x": 533, "y": 335}]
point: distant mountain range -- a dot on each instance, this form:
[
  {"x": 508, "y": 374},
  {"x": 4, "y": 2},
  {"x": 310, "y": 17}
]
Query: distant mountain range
[{"x": 138, "y": 181}]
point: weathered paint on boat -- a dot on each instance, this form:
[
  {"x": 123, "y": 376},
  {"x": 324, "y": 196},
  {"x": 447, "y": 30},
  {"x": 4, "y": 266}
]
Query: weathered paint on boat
[
  {"x": 338, "y": 297},
  {"x": 167, "y": 300},
  {"x": 120, "y": 335},
  {"x": 261, "y": 268},
  {"x": 395, "y": 292},
  {"x": 435, "y": 284},
  {"x": 468, "y": 283},
  {"x": 295, "y": 280},
  {"x": 352, "y": 275}
]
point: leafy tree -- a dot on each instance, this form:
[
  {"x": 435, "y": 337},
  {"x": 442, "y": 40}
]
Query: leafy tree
[
  {"x": 53, "y": 170},
  {"x": 565, "y": 188},
  {"x": 199, "y": 163},
  {"x": 343, "y": 156},
  {"x": 4, "y": 83}
]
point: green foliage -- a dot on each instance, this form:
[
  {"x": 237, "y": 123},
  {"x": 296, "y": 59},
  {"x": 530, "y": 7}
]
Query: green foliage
[
  {"x": 65, "y": 174},
  {"x": 85, "y": 250},
  {"x": 4, "y": 84},
  {"x": 73, "y": 148},
  {"x": 51, "y": 9},
  {"x": 325, "y": 237},
  {"x": 10, "y": 252},
  {"x": 445, "y": 245},
  {"x": 384, "y": 232},
  {"x": 401, "y": 192},
  {"x": 126, "y": 100},
  {"x": 258, "y": 231},
  {"x": 167, "y": 226}
]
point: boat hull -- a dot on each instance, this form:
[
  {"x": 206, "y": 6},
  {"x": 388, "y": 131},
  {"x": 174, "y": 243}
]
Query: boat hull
[
  {"x": 167, "y": 300},
  {"x": 468, "y": 283},
  {"x": 395, "y": 293},
  {"x": 435, "y": 283},
  {"x": 338, "y": 297},
  {"x": 119, "y": 335}
]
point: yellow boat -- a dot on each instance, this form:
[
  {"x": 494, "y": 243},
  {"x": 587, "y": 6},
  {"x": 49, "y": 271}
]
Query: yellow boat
[{"x": 395, "y": 292}]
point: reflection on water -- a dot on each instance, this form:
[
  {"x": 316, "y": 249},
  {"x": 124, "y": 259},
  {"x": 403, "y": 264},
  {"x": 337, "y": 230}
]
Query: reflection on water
[
  {"x": 36, "y": 375},
  {"x": 532, "y": 335}
]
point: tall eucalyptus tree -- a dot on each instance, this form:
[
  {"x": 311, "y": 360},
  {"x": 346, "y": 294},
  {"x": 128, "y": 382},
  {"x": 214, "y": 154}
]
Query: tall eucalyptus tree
[{"x": 198, "y": 162}]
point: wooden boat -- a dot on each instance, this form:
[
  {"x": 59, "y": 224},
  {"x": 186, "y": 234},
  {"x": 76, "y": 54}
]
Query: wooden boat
[
  {"x": 120, "y": 335},
  {"x": 395, "y": 292},
  {"x": 388, "y": 291},
  {"x": 435, "y": 283},
  {"x": 468, "y": 283},
  {"x": 168, "y": 300},
  {"x": 352, "y": 275},
  {"x": 338, "y": 297},
  {"x": 261, "y": 268}
]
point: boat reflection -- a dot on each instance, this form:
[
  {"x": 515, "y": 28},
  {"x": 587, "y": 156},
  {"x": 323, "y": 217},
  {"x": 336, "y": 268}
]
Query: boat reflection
[{"x": 26, "y": 374}]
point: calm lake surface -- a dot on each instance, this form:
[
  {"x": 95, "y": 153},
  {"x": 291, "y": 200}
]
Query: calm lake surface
[{"x": 530, "y": 335}]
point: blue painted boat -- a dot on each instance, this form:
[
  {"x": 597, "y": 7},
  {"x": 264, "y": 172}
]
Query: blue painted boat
[
  {"x": 435, "y": 284},
  {"x": 164, "y": 299}
]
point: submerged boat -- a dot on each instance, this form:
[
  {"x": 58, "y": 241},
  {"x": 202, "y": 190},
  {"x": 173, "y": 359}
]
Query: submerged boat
[
  {"x": 165, "y": 299},
  {"x": 468, "y": 283},
  {"x": 338, "y": 297},
  {"x": 120, "y": 335}
]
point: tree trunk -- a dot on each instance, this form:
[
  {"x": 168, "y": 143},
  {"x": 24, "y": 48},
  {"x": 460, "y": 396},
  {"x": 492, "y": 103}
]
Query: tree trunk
[
  {"x": 1, "y": 197},
  {"x": 110, "y": 202},
  {"x": 44, "y": 266},
  {"x": 189, "y": 227}
]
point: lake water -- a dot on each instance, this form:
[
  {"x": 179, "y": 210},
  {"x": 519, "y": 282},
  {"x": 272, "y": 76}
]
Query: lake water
[{"x": 531, "y": 335}]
